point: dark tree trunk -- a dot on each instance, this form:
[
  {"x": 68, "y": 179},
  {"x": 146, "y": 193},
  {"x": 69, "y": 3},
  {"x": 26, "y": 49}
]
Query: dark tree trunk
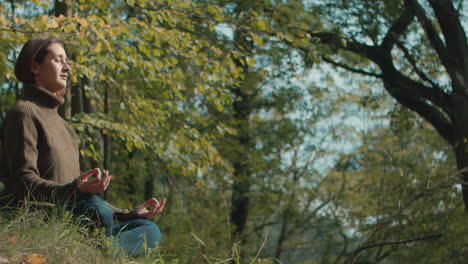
[
  {"x": 132, "y": 178},
  {"x": 149, "y": 181},
  {"x": 61, "y": 8},
  {"x": 242, "y": 175},
  {"x": 281, "y": 239},
  {"x": 105, "y": 138},
  {"x": 89, "y": 106}
]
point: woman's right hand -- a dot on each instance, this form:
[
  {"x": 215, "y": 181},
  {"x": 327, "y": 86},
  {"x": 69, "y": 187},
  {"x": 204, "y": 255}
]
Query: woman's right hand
[{"x": 96, "y": 185}]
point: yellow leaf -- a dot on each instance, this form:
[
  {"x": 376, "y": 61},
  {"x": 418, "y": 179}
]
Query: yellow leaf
[
  {"x": 54, "y": 24},
  {"x": 35, "y": 259},
  {"x": 262, "y": 25},
  {"x": 8, "y": 75},
  {"x": 69, "y": 28},
  {"x": 83, "y": 22},
  {"x": 258, "y": 40},
  {"x": 98, "y": 47}
]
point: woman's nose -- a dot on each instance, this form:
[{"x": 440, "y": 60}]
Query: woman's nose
[{"x": 66, "y": 67}]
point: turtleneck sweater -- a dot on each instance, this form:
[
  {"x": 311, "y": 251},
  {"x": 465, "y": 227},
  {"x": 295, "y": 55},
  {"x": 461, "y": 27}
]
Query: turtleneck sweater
[
  {"x": 40, "y": 148},
  {"x": 41, "y": 151}
]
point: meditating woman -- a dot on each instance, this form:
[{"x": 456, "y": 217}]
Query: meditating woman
[{"x": 41, "y": 152}]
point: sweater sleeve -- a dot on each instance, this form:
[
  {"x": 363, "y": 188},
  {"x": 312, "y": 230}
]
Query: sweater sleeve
[
  {"x": 123, "y": 214},
  {"x": 21, "y": 141}
]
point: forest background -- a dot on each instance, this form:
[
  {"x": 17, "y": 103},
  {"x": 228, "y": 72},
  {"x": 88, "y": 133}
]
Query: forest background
[{"x": 296, "y": 131}]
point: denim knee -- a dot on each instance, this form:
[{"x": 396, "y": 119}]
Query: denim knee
[
  {"x": 135, "y": 235},
  {"x": 96, "y": 209},
  {"x": 153, "y": 234}
]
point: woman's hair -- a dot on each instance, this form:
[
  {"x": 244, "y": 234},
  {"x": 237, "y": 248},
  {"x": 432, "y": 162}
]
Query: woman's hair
[{"x": 34, "y": 49}]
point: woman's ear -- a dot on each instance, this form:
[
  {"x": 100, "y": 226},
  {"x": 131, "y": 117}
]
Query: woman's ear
[{"x": 35, "y": 67}]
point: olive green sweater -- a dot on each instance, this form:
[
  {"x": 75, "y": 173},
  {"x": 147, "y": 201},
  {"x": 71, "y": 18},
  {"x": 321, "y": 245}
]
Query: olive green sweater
[
  {"x": 41, "y": 150},
  {"x": 40, "y": 147}
]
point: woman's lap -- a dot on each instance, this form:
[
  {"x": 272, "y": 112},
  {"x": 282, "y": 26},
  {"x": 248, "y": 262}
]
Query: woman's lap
[
  {"x": 133, "y": 236},
  {"x": 136, "y": 235}
]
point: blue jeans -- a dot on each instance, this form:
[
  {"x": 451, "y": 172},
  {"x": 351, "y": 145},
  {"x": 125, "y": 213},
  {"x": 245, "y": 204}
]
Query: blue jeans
[{"x": 132, "y": 236}]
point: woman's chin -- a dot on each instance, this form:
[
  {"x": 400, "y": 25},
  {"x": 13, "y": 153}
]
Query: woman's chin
[{"x": 61, "y": 92}]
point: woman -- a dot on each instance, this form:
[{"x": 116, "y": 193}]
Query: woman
[{"x": 41, "y": 152}]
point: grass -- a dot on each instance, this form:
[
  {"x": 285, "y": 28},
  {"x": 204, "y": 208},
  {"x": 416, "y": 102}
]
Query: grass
[{"x": 58, "y": 237}]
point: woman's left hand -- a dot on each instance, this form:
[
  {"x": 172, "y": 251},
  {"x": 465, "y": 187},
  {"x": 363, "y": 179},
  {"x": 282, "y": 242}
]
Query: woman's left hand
[{"x": 145, "y": 210}]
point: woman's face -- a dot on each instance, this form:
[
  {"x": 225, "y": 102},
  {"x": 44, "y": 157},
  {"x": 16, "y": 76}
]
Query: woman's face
[{"x": 52, "y": 73}]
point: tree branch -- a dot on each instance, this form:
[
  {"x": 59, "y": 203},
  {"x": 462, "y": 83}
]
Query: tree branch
[
  {"x": 413, "y": 64},
  {"x": 340, "y": 42},
  {"x": 433, "y": 115},
  {"x": 434, "y": 38},
  {"x": 396, "y": 242},
  {"x": 351, "y": 69},
  {"x": 408, "y": 92},
  {"x": 449, "y": 181},
  {"x": 397, "y": 29}
]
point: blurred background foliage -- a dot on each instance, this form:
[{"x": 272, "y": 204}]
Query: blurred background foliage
[{"x": 293, "y": 131}]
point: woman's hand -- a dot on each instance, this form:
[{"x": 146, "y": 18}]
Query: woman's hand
[
  {"x": 96, "y": 185},
  {"x": 145, "y": 210}
]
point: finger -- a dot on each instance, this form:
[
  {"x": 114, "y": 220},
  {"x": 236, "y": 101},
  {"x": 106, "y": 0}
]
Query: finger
[
  {"x": 105, "y": 175},
  {"x": 149, "y": 203},
  {"x": 105, "y": 178},
  {"x": 94, "y": 181},
  {"x": 88, "y": 174},
  {"x": 152, "y": 213},
  {"x": 108, "y": 178},
  {"x": 107, "y": 182},
  {"x": 144, "y": 205},
  {"x": 97, "y": 185},
  {"x": 157, "y": 209},
  {"x": 161, "y": 207},
  {"x": 98, "y": 174}
]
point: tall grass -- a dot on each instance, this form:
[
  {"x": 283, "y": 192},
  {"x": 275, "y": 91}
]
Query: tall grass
[
  {"x": 53, "y": 234},
  {"x": 62, "y": 238}
]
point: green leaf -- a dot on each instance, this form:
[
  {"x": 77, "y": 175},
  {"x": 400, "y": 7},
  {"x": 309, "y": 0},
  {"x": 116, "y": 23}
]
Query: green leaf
[
  {"x": 250, "y": 61},
  {"x": 257, "y": 40}
]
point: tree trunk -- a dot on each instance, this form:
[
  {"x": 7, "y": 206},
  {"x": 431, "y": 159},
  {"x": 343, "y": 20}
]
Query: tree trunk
[
  {"x": 89, "y": 106},
  {"x": 132, "y": 178},
  {"x": 61, "y": 8},
  {"x": 149, "y": 181},
  {"x": 243, "y": 108},
  {"x": 460, "y": 123},
  {"x": 281, "y": 239},
  {"x": 241, "y": 163},
  {"x": 105, "y": 138}
]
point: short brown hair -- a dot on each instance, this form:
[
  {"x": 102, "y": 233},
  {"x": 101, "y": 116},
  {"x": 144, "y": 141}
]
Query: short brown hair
[{"x": 34, "y": 49}]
